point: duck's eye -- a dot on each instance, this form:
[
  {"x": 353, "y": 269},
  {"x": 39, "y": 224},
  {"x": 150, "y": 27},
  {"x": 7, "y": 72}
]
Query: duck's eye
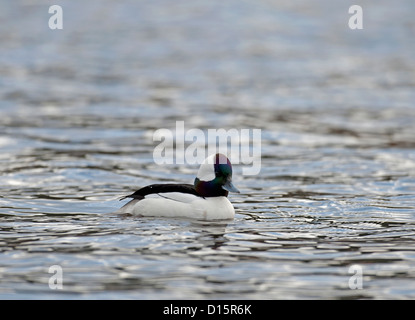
[{"x": 219, "y": 174}]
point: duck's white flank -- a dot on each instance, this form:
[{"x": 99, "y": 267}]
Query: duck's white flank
[{"x": 181, "y": 205}]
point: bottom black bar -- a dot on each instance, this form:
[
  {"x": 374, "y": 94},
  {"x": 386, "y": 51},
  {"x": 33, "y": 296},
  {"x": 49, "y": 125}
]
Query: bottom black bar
[{"x": 186, "y": 309}]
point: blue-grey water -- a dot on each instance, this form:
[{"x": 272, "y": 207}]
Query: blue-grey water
[{"x": 336, "y": 109}]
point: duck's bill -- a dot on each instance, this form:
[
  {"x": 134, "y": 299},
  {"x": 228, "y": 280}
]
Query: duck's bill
[{"x": 228, "y": 186}]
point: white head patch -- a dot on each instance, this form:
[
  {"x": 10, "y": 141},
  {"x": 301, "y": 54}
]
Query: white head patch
[{"x": 207, "y": 169}]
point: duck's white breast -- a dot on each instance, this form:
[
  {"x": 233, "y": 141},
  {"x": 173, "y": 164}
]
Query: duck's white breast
[{"x": 181, "y": 205}]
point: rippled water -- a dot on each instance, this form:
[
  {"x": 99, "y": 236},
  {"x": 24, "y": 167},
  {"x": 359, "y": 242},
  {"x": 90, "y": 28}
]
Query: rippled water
[{"x": 336, "y": 109}]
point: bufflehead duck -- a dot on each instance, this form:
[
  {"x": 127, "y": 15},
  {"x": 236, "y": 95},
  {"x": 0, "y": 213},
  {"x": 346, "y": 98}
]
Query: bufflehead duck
[{"x": 206, "y": 199}]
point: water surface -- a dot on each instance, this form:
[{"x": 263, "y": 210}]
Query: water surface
[{"x": 79, "y": 107}]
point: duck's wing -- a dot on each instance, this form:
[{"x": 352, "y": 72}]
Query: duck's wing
[
  {"x": 165, "y": 190},
  {"x": 185, "y": 193}
]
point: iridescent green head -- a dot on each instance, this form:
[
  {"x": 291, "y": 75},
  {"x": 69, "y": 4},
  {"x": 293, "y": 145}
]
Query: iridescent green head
[{"x": 214, "y": 177}]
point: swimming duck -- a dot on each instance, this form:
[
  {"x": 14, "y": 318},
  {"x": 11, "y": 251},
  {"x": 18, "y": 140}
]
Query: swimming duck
[{"x": 206, "y": 199}]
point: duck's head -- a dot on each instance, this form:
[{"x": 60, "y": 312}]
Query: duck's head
[{"x": 214, "y": 177}]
